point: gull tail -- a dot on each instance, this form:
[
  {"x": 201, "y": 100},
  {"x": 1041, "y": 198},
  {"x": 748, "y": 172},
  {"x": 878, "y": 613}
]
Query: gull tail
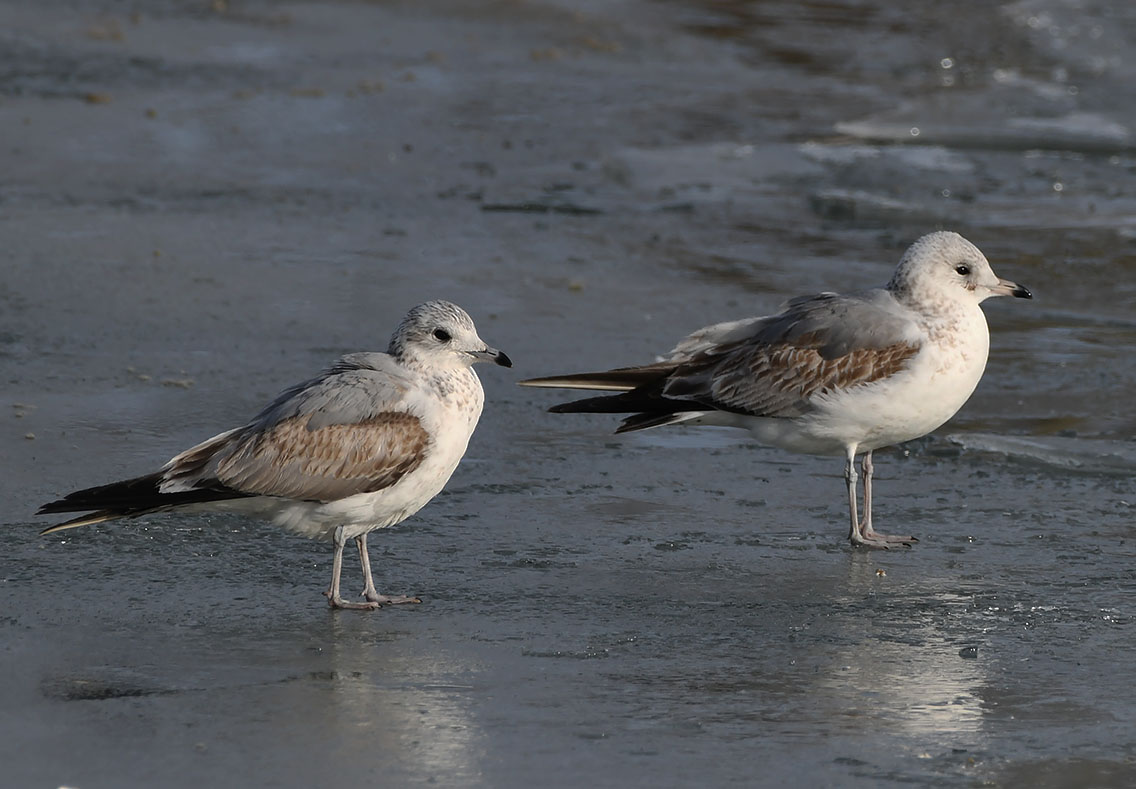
[
  {"x": 127, "y": 499},
  {"x": 623, "y": 379},
  {"x": 640, "y": 394},
  {"x": 84, "y": 520}
]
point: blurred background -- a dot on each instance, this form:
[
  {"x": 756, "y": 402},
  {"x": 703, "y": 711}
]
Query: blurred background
[{"x": 202, "y": 203}]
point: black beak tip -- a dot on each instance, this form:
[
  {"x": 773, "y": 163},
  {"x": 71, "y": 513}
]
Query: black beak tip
[
  {"x": 1021, "y": 292},
  {"x": 503, "y": 360}
]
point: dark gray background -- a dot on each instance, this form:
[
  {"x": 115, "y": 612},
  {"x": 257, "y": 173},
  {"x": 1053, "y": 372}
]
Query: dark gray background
[{"x": 201, "y": 205}]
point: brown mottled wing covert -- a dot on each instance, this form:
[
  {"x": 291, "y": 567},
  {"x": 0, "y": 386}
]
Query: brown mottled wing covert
[
  {"x": 778, "y": 380},
  {"x": 328, "y": 463}
]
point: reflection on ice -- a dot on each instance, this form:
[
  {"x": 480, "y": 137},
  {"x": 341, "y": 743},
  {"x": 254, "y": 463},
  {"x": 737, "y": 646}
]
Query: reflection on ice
[
  {"x": 407, "y": 711},
  {"x": 902, "y": 671}
]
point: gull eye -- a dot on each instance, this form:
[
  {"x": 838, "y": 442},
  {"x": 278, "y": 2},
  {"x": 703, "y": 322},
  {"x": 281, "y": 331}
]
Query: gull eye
[
  {"x": 441, "y": 335},
  {"x": 962, "y": 269}
]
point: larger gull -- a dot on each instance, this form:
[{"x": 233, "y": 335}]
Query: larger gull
[
  {"x": 830, "y": 375},
  {"x": 362, "y": 446}
]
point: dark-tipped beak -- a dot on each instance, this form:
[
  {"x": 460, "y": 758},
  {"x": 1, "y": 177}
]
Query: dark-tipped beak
[
  {"x": 492, "y": 355},
  {"x": 1007, "y": 288}
]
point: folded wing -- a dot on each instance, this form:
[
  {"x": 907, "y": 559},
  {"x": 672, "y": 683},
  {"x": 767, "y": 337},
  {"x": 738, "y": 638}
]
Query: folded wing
[
  {"x": 770, "y": 367},
  {"x": 328, "y": 463},
  {"x": 352, "y": 430}
]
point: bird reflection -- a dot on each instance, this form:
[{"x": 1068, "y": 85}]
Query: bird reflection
[
  {"x": 903, "y": 666},
  {"x": 384, "y": 707}
]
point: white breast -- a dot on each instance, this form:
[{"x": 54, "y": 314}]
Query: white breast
[{"x": 916, "y": 401}]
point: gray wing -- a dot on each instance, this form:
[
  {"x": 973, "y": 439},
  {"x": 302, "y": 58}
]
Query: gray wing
[
  {"x": 708, "y": 338},
  {"x": 837, "y": 325},
  {"x": 773, "y": 366},
  {"x": 351, "y": 430}
]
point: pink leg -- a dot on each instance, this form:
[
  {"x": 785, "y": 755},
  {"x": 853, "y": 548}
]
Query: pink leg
[
  {"x": 862, "y": 532},
  {"x": 333, "y": 598},
  {"x": 369, "y": 590}
]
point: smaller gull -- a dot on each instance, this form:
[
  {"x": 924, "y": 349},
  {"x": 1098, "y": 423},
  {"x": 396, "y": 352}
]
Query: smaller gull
[
  {"x": 360, "y": 447},
  {"x": 831, "y": 374}
]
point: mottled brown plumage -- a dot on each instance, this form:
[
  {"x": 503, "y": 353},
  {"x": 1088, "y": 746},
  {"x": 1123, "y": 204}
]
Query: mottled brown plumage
[
  {"x": 329, "y": 463},
  {"x": 779, "y": 380}
]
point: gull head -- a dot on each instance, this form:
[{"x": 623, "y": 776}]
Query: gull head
[
  {"x": 441, "y": 334},
  {"x": 945, "y": 266}
]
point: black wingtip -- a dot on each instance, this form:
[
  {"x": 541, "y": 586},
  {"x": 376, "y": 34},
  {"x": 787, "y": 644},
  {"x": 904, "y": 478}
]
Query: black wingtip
[{"x": 52, "y": 507}]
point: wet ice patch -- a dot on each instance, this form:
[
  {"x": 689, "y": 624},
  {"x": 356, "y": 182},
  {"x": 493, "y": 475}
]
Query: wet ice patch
[
  {"x": 111, "y": 684},
  {"x": 838, "y": 154},
  {"x": 952, "y": 124},
  {"x": 923, "y": 157},
  {"x": 260, "y": 53},
  {"x": 1076, "y": 125},
  {"x": 1078, "y": 454},
  {"x": 861, "y": 205},
  {"x": 706, "y": 437},
  {"x": 711, "y": 172},
  {"x": 926, "y": 157}
]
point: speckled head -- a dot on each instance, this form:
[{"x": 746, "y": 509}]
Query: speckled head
[
  {"x": 944, "y": 266},
  {"x": 442, "y": 334}
]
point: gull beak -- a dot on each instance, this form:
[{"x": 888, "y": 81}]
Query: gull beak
[
  {"x": 492, "y": 355},
  {"x": 1007, "y": 288}
]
